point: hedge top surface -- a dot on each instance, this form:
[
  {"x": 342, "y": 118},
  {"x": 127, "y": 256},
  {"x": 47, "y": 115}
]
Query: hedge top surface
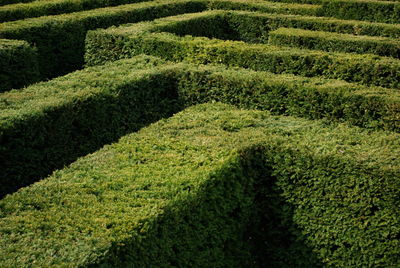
[
  {"x": 265, "y": 6},
  {"x": 10, "y": 43},
  {"x": 103, "y": 200}
]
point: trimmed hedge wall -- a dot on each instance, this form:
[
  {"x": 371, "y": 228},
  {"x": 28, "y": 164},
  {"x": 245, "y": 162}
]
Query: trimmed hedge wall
[
  {"x": 50, "y": 124},
  {"x": 370, "y": 10},
  {"x": 264, "y": 6},
  {"x": 18, "y": 64},
  {"x": 300, "y": 1},
  {"x": 126, "y": 41},
  {"x": 181, "y": 193},
  {"x": 8, "y": 2},
  {"x": 60, "y": 39},
  {"x": 54, "y": 7},
  {"x": 382, "y": 46}
]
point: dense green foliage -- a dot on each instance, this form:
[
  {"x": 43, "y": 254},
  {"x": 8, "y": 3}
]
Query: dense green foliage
[
  {"x": 75, "y": 110},
  {"x": 8, "y": 2},
  {"x": 18, "y": 64},
  {"x": 371, "y": 10},
  {"x": 54, "y": 7},
  {"x": 264, "y": 6},
  {"x": 50, "y": 124},
  {"x": 212, "y": 186},
  {"x": 382, "y": 46},
  {"x": 181, "y": 193},
  {"x": 60, "y": 39},
  {"x": 130, "y": 40}
]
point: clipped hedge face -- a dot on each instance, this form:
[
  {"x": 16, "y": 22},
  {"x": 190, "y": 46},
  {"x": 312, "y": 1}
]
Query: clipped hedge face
[
  {"x": 335, "y": 42},
  {"x": 18, "y": 64},
  {"x": 371, "y": 10}
]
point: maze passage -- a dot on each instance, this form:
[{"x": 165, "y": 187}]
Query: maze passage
[{"x": 199, "y": 133}]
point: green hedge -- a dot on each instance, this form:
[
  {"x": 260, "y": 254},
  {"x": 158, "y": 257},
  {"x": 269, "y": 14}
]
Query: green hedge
[
  {"x": 60, "y": 39},
  {"x": 126, "y": 41},
  {"x": 326, "y": 41},
  {"x": 370, "y": 10},
  {"x": 8, "y": 2},
  {"x": 300, "y": 1},
  {"x": 54, "y": 7},
  {"x": 18, "y": 64},
  {"x": 184, "y": 191},
  {"x": 50, "y": 124},
  {"x": 264, "y": 6}
]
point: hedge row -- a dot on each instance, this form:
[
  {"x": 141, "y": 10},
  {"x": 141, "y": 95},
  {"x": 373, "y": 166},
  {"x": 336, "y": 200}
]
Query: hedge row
[
  {"x": 300, "y": 1},
  {"x": 264, "y": 6},
  {"x": 60, "y": 39},
  {"x": 18, "y": 64},
  {"x": 126, "y": 41},
  {"x": 326, "y": 41},
  {"x": 186, "y": 191},
  {"x": 9, "y": 2},
  {"x": 54, "y": 7},
  {"x": 370, "y": 10},
  {"x": 48, "y": 125}
]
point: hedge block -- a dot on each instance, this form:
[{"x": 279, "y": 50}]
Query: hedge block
[
  {"x": 370, "y": 10},
  {"x": 265, "y": 6},
  {"x": 45, "y": 8},
  {"x": 18, "y": 64},
  {"x": 319, "y": 40}
]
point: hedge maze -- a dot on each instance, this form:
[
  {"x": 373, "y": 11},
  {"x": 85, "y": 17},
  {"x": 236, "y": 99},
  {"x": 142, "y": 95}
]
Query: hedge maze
[{"x": 200, "y": 133}]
